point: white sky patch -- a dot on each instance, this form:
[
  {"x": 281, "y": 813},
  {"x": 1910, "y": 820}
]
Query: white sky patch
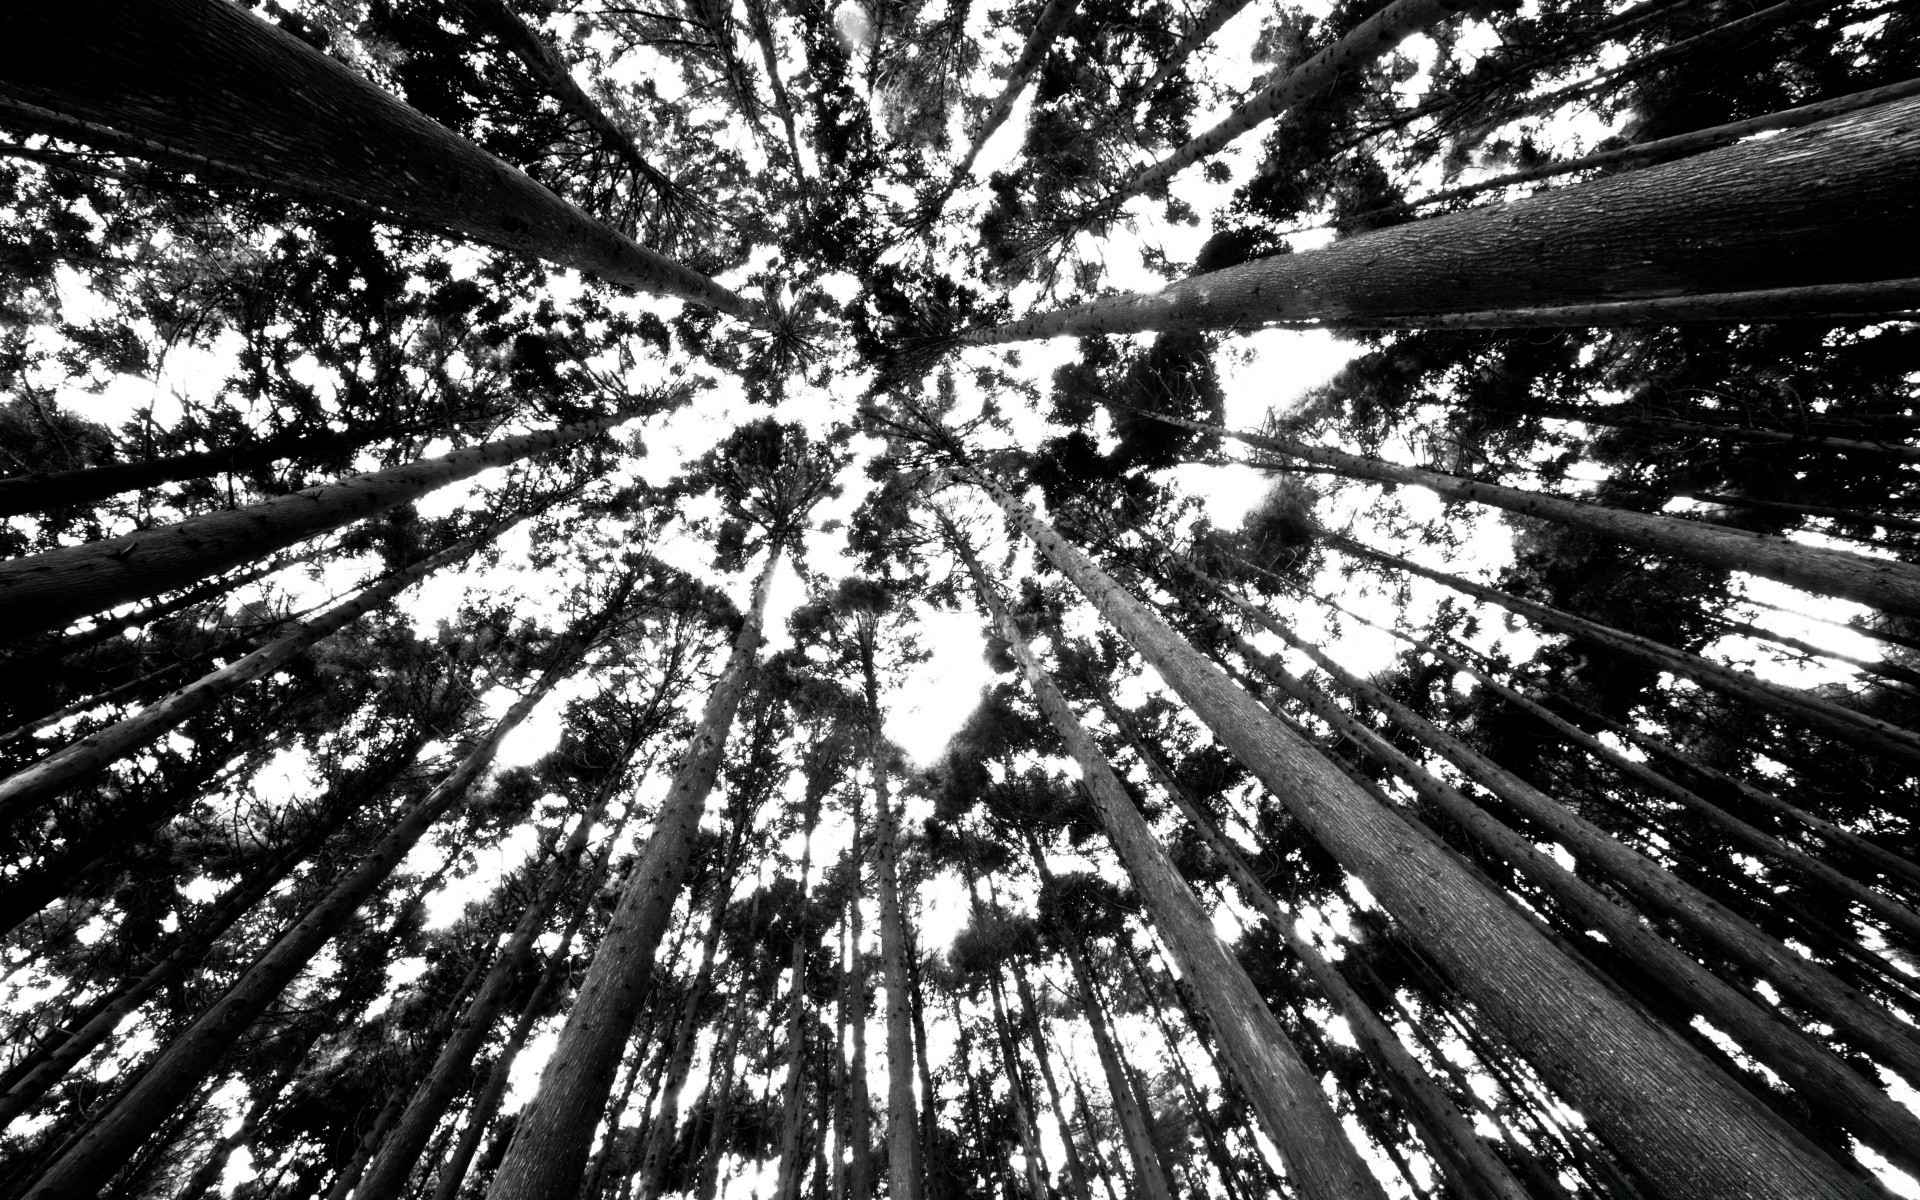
[{"x": 938, "y": 695}]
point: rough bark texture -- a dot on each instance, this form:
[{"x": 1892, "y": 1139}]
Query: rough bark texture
[
  {"x": 1828, "y": 204},
  {"x": 86, "y": 1165},
  {"x": 550, "y": 1147},
  {"x": 1878, "y": 582},
  {"x": 1655, "y": 1099},
  {"x": 1372, "y": 38},
  {"x": 98, "y": 751},
  {"x": 213, "y": 81},
  {"x": 46, "y": 591},
  {"x": 1284, "y": 1094}
]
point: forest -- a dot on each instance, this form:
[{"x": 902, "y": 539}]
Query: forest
[{"x": 959, "y": 599}]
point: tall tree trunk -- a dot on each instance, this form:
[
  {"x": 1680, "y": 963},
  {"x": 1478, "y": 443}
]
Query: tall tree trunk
[
  {"x": 1017, "y": 1088},
  {"x": 41, "y": 491},
  {"x": 1648, "y": 1093},
  {"x": 140, "y": 1110},
  {"x": 1150, "y": 1180},
  {"x": 1030, "y": 1018},
  {"x": 859, "y": 1102},
  {"x": 1817, "y": 712},
  {"x": 1368, "y": 42},
  {"x": 1211, "y": 20},
  {"x": 905, "y": 1166},
  {"x": 386, "y": 1178},
  {"x": 1759, "y": 215},
  {"x": 1878, "y": 582},
  {"x": 550, "y": 1146},
  {"x": 793, "y": 1099},
  {"x": 1799, "y": 1059},
  {"x": 49, "y": 590},
  {"x": 96, "y": 752},
  {"x": 1461, "y": 1152},
  {"x": 1292, "y": 1108},
  {"x": 204, "y": 84},
  {"x": 725, "y": 1055},
  {"x": 1046, "y": 27}
]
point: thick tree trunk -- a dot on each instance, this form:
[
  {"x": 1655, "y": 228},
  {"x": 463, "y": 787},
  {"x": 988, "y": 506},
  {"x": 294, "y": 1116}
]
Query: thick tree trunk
[
  {"x": 42, "y": 491},
  {"x": 202, "y": 83},
  {"x": 1370, "y": 40},
  {"x": 1052, "y": 19},
  {"x": 386, "y": 1178},
  {"x": 550, "y": 1146},
  {"x": 1878, "y": 582},
  {"x": 85, "y": 1167},
  {"x": 1760, "y": 215},
  {"x": 1460, "y": 1151},
  {"x": 1643, "y": 1089},
  {"x": 1817, "y": 712},
  {"x": 23, "y": 790},
  {"x": 1292, "y": 1109},
  {"x": 47, "y": 591},
  {"x": 1210, "y": 21},
  {"x": 905, "y": 1168},
  {"x": 1803, "y": 1062}
]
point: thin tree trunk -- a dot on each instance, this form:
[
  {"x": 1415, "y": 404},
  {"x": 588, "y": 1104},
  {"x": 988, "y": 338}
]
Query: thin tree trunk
[
  {"x": 387, "y": 1178},
  {"x": 792, "y": 1164},
  {"x": 49, "y": 590},
  {"x": 1150, "y": 1180},
  {"x": 105, "y": 628},
  {"x": 1848, "y": 516},
  {"x": 1835, "y": 720},
  {"x": 550, "y": 1146},
  {"x": 1017, "y": 1088},
  {"x": 1459, "y": 1150},
  {"x": 1292, "y": 1108},
  {"x": 1644, "y": 1090},
  {"x": 1046, "y": 27},
  {"x": 214, "y": 85},
  {"x": 860, "y": 1118},
  {"x": 1759, "y": 215},
  {"x": 1878, "y": 582},
  {"x": 42, "y": 491},
  {"x": 905, "y": 1167},
  {"x": 782, "y": 102},
  {"x": 1210, "y": 21},
  {"x": 94, "y": 753},
  {"x": 1808, "y": 651},
  {"x": 725, "y": 1055},
  {"x": 141, "y": 1109},
  {"x": 1368, "y": 42},
  {"x": 1030, "y": 1017}
]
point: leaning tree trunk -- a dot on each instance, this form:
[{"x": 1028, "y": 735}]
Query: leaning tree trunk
[
  {"x": 1877, "y": 582},
  {"x": 548, "y": 1155},
  {"x": 1830, "y": 204},
  {"x": 205, "y": 85},
  {"x": 1634, "y": 421},
  {"x": 1046, "y": 27},
  {"x": 1208, "y": 23},
  {"x": 1466, "y": 1157},
  {"x": 1292, "y": 1109},
  {"x": 1369, "y": 40},
  {"x": 96, "y": 752},
  {"x": 1081, "y": 1189},
  {"x": 1645, "y": 1091},
  {"x": 47, "y": 591},
  {"x": 86, "y": 1166}
]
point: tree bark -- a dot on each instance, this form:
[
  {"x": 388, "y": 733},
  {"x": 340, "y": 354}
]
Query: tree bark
[
  {"x": 792, "y": 1164},
  {"x": 164, "y": 78},
  {"x": 1292, "y": 1108},
  {"x": 86, "y": 1166},
  {"x": 1046, "y": 27},
  {"x": 549, "y": 1151},
  {"x": 1760, "y": 215},
  {"x": 49, "y": 590},
  {"x": 24, "y": 789},
  {"x": 1210, "y": 22},
  {"x": 1370, "y": 40},
  {"x": 906, "y": 1170},
  {"x": 1645, "y": 1091},
  {"x": 859, "y": 1102},
  {"x": 1877, "y": 582}
]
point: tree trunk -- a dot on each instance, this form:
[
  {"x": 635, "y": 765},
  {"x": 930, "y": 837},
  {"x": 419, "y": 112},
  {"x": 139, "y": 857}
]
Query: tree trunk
[
  {"x": 1644, "y": 1090},
  {"x": 725, "y": 1057},
  {"x": 1475, "y": 1169},
  {"x": 93, "y": 1159},
  {"x": 1292, "y": 1109},
  {"x": 1030, "y": 1017},
  {"x": 1877, "y": 582},
  {"x": 1368, "y": 42},
  {"x": 550, "y": 1146},
  {"x": 1760, "y": 215},
  {"x": 1803, "y": 1062},
  {"x": 203, "y": 84},
  {"x": 42, "y": 491},
  {"x": 24, "y": 789},
  {"x": 793, "y": 1100},
  {"x": 49, "y": 590},
  {"x": 1209, "y": 22},
  {"x": 1046, "y": 27},
  {"x": 905, "y": 1168},
  {"x": 387, "y": 1178},
  {"x": 1817, "y": 712},
  {"x": 1150, "y": 1180},
  {"x": 859, "y": 1102}
]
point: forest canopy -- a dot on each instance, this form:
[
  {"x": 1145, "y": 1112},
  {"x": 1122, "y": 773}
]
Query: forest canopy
[{"x": 913, "y": 599}]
